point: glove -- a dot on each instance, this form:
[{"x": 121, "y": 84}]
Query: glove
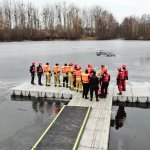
[{"x": 126, "y": 77}]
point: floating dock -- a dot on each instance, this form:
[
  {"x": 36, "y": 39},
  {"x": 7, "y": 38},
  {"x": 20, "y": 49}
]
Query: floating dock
[
  {"x": 132, "y": 94},
  {"x": 27, "y": 90},
  {"x": 96, "y": 131}
]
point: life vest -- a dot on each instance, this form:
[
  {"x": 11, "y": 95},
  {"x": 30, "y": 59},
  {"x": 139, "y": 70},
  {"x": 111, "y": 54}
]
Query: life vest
[
  {"x": 46, "y": 68},
  {"x": 85, "y": 78},
  {"x": 56, "y": 69},
  {"x": 40, "y": 70},
  {"x": 64, "y": 69},
  {"x": 69, "y": 69},
  {"x": 78, "y": 73},
  {"x": 33, "y": 70},
  {"x": 106, "y": 78}
]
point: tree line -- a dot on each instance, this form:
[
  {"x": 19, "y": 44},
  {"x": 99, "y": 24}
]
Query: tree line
[{"x": 23, "y": 21}]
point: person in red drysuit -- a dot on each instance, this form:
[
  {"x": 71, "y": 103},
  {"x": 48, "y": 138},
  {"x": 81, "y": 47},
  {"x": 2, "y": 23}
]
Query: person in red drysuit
[
  {"x": 125, "y": 72},
  {"x": 120, "y": 78}
]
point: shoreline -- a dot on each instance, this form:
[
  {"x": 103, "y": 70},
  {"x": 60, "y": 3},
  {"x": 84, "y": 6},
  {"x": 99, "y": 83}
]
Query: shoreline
[{"x": 82, "y": 39}]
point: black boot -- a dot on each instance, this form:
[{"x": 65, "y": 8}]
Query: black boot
[{"x": 86, "y": 97}]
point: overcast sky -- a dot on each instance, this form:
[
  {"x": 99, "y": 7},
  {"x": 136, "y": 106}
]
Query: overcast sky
[{"x": 119, "y": 8}]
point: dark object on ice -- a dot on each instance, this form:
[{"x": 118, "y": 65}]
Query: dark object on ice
[{"x": 106, "y": 54}]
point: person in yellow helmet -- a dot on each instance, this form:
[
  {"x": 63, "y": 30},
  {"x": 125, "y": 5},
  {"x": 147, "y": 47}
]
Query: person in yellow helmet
[
  {"x": 48, "y": 74},
  {"x": 56, "y": 71},
  {"x": 65, "y": 75}
]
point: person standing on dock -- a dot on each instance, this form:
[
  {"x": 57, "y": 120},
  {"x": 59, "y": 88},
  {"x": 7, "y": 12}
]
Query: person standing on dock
[
  {"x": 74, "y": 74},
  {"x": 102, "y": 70},
  {"x": 78, "y": 79},
  {"x": 104, "y": 81},
  {"x": 48, "y": 74},
  {"x": 39, "y": 73},
  {"x": 125, "y": 72},
  {"x": 94, "y": 81},
  {"x": 71, "y": 76},
  {"x": 65, "y": 75},
  {"x": 120, "y": 78},
  {"x": 85, "y": 81},
  {"x": 90, "y": 69},
  {"x": 56, "y": 71},
  {"x": 32, "y": 71}
]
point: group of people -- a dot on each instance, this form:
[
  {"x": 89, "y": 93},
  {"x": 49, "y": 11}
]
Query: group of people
[{"x": 75, "y": 79}]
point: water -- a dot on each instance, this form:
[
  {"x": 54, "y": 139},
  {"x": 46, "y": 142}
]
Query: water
[
  {"x": 22, "y": 122},
  {"x": 133, "y": 132}
]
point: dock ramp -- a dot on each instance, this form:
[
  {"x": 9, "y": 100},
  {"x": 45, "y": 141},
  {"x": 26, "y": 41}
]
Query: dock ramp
[{"x": 65, "y": 131}]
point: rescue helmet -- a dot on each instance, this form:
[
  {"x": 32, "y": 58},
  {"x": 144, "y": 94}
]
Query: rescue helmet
[
  {"x": 40, "y": 63},
  {"x": 89, "y": 65},
  {"x": 47, "y": 63},
  {"x": 57, "y": 64},
  {"x": 79, "y": 67},
  {"x": 33, "y": 63},
  {"x": 65, "y": 64},
  {"x": 71, "y": 64},
  {"x": 75, "y": 65},
  {"x": 102, "y": 66},
  {"x": 124, "y": 66},
  {"x": 119, "y": 69}
]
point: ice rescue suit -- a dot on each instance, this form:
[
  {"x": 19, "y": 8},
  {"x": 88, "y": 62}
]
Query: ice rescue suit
[
  {"x": 125, "y": 73},
  {"x": 65, "y": 75},
  {"x": 120, "y": 78},
  {"x": 85, "y": 80},
  {"x": 56, "y": 71},
  {"x": 105, "y": 79},
  {"x": 48, "y": 74}
]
